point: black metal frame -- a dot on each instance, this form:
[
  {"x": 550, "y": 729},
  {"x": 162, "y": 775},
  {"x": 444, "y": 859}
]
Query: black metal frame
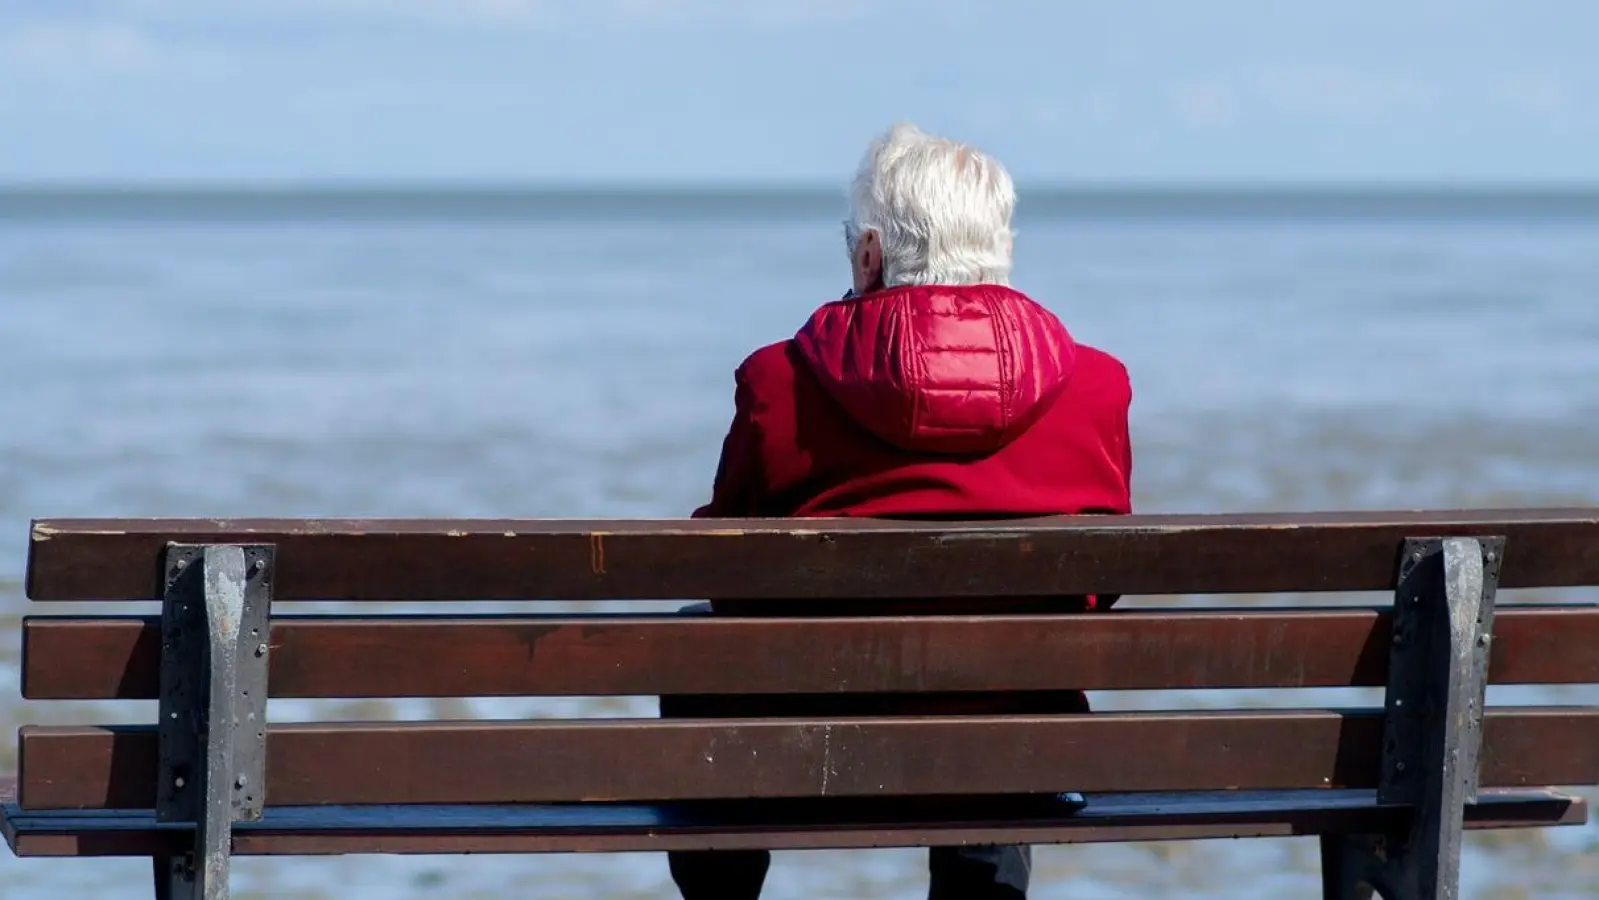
[
  {"x": 215, "y": 622},
  {"x": 215, "y": 646},
  {"x": 1438, "y": 673}
]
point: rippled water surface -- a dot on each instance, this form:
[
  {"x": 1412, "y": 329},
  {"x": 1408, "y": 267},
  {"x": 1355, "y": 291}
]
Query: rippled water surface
[{"x": 575, "y": 358}]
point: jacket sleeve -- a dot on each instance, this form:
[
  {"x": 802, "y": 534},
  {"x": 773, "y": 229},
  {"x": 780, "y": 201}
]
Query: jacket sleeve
[
  {"x": 1127, "y": 463},
  {"x": 1106, "y": 601},
  {"x": 738, "y": 489}
]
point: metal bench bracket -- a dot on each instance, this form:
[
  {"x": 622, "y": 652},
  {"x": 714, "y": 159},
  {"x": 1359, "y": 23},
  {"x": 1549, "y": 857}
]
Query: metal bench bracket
[
  {"x": 1437, "y": 676},
  {"x": 215, "y": 643}
]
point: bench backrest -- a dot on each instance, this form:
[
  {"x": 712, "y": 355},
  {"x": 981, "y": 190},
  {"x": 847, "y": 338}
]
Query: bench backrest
[{"x": 539, "y": 654}]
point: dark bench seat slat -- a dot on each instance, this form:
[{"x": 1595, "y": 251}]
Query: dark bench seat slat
[
  {"x": 777, "y": 825},
  {"x": 119, "y": 657},
  {"x": 633, "y": 760},
  {"x": 119, "y": 559}
]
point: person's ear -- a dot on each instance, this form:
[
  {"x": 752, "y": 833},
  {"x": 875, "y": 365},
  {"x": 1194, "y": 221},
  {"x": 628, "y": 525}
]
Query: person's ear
[{"x": 867, "y": 263}]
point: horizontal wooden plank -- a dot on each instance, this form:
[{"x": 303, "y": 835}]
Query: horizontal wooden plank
[
  {"x": 320, "y": 830},
  {"x": 333, "y": 656},
  {"x": 65, "y": 767},
  {"x": 403, "y": 560}
]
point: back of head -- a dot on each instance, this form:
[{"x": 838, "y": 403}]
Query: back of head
[{"x": 941, "y": 210}]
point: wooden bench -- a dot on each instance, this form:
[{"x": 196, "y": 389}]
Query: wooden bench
[{"x": 1388, "y": 790}]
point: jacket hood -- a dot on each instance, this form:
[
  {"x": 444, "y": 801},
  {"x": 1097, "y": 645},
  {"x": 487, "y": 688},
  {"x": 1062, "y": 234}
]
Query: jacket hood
[{"x": 940, "y": 369}]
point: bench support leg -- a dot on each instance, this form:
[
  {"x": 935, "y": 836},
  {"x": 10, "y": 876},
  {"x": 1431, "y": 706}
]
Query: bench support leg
[
  {"x": 174, "y": 879},
  {"x": 214, "y": 643},
  {"x": 1351, "y": 864},
  {"x": 1438, "y": 672}
]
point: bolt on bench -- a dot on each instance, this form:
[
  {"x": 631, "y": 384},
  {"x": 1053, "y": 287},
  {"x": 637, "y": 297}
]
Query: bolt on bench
[{"x": 1389, "y": 791}]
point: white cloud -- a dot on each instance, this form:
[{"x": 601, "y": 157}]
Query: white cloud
[
  {"x": 1204, "y": 104},
  {"x": 1338, "y": 92},
  {"x": 75, "y": 45},
  {"x": 311, "y": 12},
  {"x": 516, "y": 13},
  {"x": 1541, "y": 95}
]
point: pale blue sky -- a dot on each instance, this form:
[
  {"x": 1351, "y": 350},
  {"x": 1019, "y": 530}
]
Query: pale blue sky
[{"x": 1465, "y": 91}]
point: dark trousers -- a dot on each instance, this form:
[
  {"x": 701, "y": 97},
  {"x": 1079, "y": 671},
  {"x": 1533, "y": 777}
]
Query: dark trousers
[{"x": 956, "y": 873}]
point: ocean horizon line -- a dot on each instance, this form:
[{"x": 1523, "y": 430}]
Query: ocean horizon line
[{"x": 249, "y": 200}]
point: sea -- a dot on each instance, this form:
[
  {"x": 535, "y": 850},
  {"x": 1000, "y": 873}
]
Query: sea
[{"x": 494, "y": 351}]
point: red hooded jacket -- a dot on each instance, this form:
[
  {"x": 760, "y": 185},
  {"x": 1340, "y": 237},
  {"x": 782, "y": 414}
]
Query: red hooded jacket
[
  {"x": 930, "y": 401},
  {"x": 925, "y": 401}
]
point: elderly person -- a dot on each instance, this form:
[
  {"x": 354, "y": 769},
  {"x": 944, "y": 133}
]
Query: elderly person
[{"x": 932, "y": 390}]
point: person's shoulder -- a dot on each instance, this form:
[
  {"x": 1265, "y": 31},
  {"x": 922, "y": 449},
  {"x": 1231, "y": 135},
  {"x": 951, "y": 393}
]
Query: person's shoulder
[
  {"x": 773, "y": 363},
  {"x": 1100, "y": 368}
]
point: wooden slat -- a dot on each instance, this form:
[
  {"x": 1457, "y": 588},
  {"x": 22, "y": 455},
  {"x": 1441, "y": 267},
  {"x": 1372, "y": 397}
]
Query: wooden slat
[
  {"x": 113, "y": 559},
  {"x": 631, "y": 760},
  {"x": 316, "y": 656},
  {"x": 772, "y": 825}
]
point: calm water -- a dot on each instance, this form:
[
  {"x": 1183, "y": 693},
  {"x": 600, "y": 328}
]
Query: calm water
[{"x": 473, "y": 355}]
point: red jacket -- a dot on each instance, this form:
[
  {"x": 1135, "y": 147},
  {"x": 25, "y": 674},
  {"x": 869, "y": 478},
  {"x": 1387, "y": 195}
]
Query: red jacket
[{"x": 925, "y": 401}]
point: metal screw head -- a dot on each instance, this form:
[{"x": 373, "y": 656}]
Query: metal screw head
[
  {"x": 1399, "y": 701},
  {"x": 1399, "y": 766},
  {"x": 1482, "y": 640},
  {"x": 260, "y": 565},
  {"x": 180, "y": 565},
  {"x": 1490, "y": 556},
  {"x": 260, "y": 649},
  {"x": 1416, "y": 556},
  {"x": 178, "y": 782},
  {"x": 241, "y": 781},
  {"x": 1399, "y": 640}
]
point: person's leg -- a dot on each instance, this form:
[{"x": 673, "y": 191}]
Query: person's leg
[
  {"x": 1002, "y": 872},
  {"x": 719, "y": 874},
  {"x": 712, "y": 874},
  {"x": 979, "y": 873}
]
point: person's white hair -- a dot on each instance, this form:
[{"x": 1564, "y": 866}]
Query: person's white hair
[{"x": 941, "y": 210}]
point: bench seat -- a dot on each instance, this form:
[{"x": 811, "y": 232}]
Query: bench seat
[
  {"x": 787, "y": 825},
  {"x": 811, "y": 740}
]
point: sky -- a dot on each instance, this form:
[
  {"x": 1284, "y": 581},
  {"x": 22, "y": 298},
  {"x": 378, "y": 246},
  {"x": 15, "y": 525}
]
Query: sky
[{"x": 1069, "y": 92}]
